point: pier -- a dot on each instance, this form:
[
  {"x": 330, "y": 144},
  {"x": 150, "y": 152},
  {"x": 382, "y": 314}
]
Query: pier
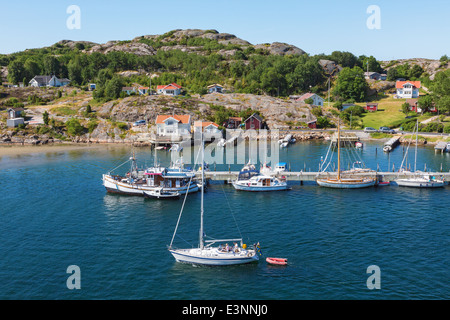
[
  {"x": 441, "y": 146},
  {"x": 391, "y": 144},
  {"x": 300, "y": 176}
]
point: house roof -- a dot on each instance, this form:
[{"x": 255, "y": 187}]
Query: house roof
[
  {"x": 127, "y": 88},
  {"x": 307, "y": 96},
  {"x": 16, "y": 109},
  {"x": 205, "y": 124},
  {"x": 42, "y": 79},
  {"x": 185, "y": 119},
  {"x": 235, "y": 118},
  {"x": 256, "y": 116},
  {"x": 143, "y": 88},
  {"x": 171, "y": 86},
  {"x": 400, "y": 84},
  {"x": 215, "y": 85},
  {"x": 412, "y": 101},
  {"x": 371, "y": 104}
]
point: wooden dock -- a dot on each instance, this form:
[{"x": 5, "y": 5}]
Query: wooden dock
[
  {"x": 391, "y": 144},
  {"x": 227, "y": 176},
  {"x": 440, "y": 146}
]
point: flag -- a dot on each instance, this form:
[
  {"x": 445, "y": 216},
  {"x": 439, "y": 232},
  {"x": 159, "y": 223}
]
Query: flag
[{"x": 258, "y": 249}]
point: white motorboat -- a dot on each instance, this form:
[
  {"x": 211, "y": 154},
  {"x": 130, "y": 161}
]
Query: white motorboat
[
  {"x": 208, "y": 255},
  {"x": 160, "y": 193},
  {"x": 260, "y": 183}
]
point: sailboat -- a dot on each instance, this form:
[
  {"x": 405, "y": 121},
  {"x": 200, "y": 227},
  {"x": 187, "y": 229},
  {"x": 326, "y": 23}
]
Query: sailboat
[
  {"x": 206, "y": 253},
  {"x": 344, "y": 183},
  {"x": 419, "y": 179}
]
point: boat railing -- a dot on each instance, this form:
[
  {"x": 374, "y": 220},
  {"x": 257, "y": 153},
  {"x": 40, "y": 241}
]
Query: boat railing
[{"x": 211, "y": 242}]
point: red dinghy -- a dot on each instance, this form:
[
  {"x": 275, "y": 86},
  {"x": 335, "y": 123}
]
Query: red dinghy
[{"x": 277, "y": 261}]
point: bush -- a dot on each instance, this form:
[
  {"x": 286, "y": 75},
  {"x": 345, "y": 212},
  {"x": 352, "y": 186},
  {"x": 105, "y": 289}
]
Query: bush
[
  {"x": 74, "y": 128},
  {"x": 447, "y": 128}
]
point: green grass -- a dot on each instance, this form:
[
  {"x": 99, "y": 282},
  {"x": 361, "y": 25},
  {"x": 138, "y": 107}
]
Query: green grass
[{"x": 389, "y": 112}]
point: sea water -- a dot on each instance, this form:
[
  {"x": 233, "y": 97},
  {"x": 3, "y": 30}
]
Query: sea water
[{"x": 55, "y": 213}]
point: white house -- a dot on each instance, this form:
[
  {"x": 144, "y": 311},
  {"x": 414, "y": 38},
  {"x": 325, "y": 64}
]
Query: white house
[
  {"x": 215, "y": 88},
  {"x": 407, "y": 89},
  {"x": 48, "y": 81},
  {"x": 172, "y": 89},
  {"x": 14, "y": 117},
  {"x": 206, "y": 127},
  {"x": 174, "y": 125},
  {"x": 317, "y": 100}
]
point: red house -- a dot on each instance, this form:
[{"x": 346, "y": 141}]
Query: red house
[
  {"x": 253, "y": 122},
  {"x": 371, "y": 107},
  {"x": 312, "y": 124}
]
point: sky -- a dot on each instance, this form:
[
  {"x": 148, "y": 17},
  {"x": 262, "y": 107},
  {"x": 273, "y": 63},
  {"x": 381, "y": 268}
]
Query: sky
[{"x": 401, "y": 30}]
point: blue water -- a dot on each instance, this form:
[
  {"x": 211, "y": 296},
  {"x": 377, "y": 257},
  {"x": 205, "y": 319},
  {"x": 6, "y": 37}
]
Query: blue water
[{"x": 55, "y": 213}]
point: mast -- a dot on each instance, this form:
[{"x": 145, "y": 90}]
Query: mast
[
  {"x": 202, "y": 191},
  {"x": 339, "y": 150},
  {"x": 417, "y": 137}
]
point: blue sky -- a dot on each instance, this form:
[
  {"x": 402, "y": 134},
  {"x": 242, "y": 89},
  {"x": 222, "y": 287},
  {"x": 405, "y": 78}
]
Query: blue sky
[{"x": 409, "y": 29}]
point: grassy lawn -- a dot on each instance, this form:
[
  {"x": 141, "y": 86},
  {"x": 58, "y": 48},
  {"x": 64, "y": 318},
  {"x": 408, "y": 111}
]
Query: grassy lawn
[{"x": 389, "y": 111}]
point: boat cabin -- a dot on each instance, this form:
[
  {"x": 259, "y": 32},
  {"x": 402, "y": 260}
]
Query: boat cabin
[{"x": 280, "y": 167}]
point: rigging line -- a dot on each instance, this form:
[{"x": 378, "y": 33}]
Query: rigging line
[
  {"x": 184, "y": 201},
  {"x": 231, "y": 211},
  {"x": 407, "y": 149},
  {"x": 120, "y": 165}
]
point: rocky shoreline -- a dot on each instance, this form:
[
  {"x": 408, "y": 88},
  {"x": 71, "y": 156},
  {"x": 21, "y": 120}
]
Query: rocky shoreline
[{"x": 12, "y": 138}]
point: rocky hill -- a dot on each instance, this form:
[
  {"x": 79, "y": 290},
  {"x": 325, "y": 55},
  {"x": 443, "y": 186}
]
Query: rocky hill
[
  {"x": 189, "y": 40},
  {"x": 431, "y": 67}
]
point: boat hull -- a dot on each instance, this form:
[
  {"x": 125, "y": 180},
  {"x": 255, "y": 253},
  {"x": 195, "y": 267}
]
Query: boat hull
[
  {"x": 114, "y": 186},
  {"x": 345, "y": 184},
  {"x": 417, "y": 183},
  {"x": 211, "y": 257},
  {"x": 242, "y": 187}
]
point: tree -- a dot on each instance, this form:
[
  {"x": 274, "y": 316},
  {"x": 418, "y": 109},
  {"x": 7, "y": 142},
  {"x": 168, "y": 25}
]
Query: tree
[
  {"x": 16, "y": 72},
  {"x": 374, "y": 65},
  {"x": 113, "y": 88},
  {"x": 51, "y": 65},
  {"x": 351, "y": 84},
  {"x": 425, "y": 103},
  {"x": 45, "y": 117},
  {"x": 405, "y": 108}
]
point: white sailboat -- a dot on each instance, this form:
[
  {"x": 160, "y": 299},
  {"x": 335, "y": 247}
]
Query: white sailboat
[
  {"x": 418, "y": 179},
  {"x": 348, "y": 182},
  {"x": 206, "y": 253}
]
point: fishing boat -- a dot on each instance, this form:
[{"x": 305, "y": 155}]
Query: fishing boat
[
  {"x": 160, "y": 193},
  {"x": 277, "y": 261},
  {"x": 137, "y": 181},
  {"x": 207, "y": 253},
  {"x": 418, "y": 179},
  {"x": 351, "y": 181}
]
